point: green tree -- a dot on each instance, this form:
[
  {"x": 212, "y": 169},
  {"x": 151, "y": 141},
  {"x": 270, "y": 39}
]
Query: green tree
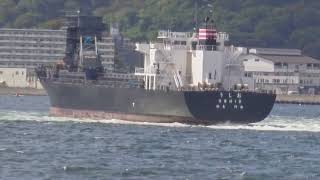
[{"x": 260, "y": 23}]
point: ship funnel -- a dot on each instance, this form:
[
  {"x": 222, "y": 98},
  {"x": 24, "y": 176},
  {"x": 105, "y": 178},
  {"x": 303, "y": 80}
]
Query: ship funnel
[{"x": 208, "y": 34}]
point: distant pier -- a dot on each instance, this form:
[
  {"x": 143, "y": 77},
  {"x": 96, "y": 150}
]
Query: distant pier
[{"x": 298, "y": 99}]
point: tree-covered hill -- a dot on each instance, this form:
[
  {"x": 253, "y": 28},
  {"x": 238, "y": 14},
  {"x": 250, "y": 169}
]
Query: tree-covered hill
[{"x": 263, "y": 23}]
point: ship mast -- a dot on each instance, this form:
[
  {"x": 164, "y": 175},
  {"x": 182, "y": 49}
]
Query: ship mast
[{"x": 196, "y": 14}]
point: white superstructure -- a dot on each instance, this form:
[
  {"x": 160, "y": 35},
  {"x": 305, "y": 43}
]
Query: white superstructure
[{"x": 184, "y": 60}]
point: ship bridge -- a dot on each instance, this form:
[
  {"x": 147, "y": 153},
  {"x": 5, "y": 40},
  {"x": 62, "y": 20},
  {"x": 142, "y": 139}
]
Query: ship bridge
[{"x": 184, "y": 60}]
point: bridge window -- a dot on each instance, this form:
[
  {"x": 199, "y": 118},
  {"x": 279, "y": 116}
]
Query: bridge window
[{"x": 248, "y": 74}]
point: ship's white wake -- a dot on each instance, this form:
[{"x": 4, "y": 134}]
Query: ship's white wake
[
  {"x": 278, "y": 123},
  {"x": 272, "y": 123}
]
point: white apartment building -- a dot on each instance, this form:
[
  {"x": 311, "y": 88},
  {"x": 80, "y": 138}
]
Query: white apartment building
[
  {"x": 282, "y": 70},
  {"x": 31, "y": 47}
]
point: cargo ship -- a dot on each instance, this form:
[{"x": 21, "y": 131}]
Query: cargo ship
[{"x": 191, "y": 78}]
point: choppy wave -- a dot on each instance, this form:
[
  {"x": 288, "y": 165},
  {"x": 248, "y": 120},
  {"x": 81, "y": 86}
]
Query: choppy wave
[{"x": 272, "y": 123}]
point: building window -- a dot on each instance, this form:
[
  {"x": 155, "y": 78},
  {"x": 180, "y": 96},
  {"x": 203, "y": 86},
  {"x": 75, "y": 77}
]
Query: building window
[
  {"x": 17, "y": 72},
  {"x": 245, "y": 60},
  {"x": 210, "y": 76},
  {"x": 257, "y": 60},
  {"x": 1, "y": 72}
]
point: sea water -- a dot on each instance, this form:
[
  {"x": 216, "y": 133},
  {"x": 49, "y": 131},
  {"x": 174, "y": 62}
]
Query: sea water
[{"x": 35, "y": 146}]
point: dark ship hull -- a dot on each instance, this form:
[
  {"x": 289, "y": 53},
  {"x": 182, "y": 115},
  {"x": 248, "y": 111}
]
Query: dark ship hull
[{"x": 139, "y": 105}]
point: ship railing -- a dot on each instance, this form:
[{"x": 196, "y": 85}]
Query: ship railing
[
  {"x": 169, "y": 34},
  {"x": 114, "y": 84},
  {"x": 205, "y": 47},
  {"x": 104, "y": 83},
  {"x": 139, "y": 70},
  {"x": 101, "y": 79},
  {"x": 196, "y": 88},
  {"x": 143, "y": 71},
  {"x": 110, "y": 85},
  {"x": 177, "y": 47},
  {"x": 106, "y": 76}
]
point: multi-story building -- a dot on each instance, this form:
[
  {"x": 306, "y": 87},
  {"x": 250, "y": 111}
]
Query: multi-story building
[
  {"x": 282, "y": 70},
  {"x": 21, "y": 50},
  {"x": 30, "y": 47}
]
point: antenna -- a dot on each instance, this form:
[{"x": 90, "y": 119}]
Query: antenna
[{"x": 196, "y": 14}]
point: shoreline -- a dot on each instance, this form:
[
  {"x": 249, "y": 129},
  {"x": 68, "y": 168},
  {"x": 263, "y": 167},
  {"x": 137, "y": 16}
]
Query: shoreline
[
  {"x": 22, "y": 91},
  {"x": 298, "y": 99}
]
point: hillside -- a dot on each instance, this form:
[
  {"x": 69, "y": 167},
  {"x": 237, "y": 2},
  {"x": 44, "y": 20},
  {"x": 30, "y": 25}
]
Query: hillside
[{"x": 263, "y": 23}]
